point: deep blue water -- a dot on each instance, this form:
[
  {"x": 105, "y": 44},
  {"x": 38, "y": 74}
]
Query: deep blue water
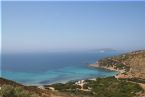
[{"x": 46, "y": 68}]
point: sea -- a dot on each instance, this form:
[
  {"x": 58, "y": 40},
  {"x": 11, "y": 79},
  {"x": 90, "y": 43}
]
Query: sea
[{"x": 54, "y": 67}]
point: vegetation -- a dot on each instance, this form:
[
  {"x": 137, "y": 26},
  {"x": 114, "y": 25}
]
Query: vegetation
[
  {"x": 111, "y": 87},
  {"x": 11, "y": 91},
  {"x": 108, "y": 62},
  {"x": 133, "y": 63},
  {"x": 137, "y": 80},
  {"x": 102, "y": 87},
  {"x": 68, "y": 86}
]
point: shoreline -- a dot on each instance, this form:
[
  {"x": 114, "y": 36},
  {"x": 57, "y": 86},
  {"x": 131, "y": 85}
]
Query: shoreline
[
  {"x": 107, "y": 68},
  {"x": 91, "y": 78},
  {"x": 95, "y": 65},
  {"x": 66, "y": 81},
  {"x": 120, "y": 73}
]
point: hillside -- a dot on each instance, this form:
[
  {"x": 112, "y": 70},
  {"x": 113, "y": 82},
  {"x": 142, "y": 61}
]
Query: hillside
[
  {"x": 100, "y": 87},
  {"x": 10, "y": 88},
  {"x": 133, "y": 63}
]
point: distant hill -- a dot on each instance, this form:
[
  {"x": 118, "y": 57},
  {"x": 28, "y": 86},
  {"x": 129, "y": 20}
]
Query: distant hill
[{"x": 104, "y": 50}]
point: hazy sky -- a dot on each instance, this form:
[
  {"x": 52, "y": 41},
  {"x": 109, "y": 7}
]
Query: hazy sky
[{"x": 67, "y": 26}]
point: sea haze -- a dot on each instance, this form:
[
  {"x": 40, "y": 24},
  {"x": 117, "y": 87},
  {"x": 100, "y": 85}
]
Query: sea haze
[{"x": 47, "y": 68}]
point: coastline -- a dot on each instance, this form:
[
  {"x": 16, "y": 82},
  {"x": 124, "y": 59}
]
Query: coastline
[
  {"x": 120, "y": 73},
  {"x": 71, "y": 79},
  {"x": 83, "y": 79},
  {"x": 92, "y": 78},
  {"x": 107, "y": 68}
]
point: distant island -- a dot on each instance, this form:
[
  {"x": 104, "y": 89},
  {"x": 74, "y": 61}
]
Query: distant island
[
  {"x": 129, "y": 82},
  {"x": 102, "y": 50}
]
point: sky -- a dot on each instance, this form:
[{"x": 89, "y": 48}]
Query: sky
[{"x": 34, "y": 26}]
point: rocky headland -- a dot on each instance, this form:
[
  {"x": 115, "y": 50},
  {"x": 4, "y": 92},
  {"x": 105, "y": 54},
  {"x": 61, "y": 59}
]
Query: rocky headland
[{"x": 131, "y": 64}]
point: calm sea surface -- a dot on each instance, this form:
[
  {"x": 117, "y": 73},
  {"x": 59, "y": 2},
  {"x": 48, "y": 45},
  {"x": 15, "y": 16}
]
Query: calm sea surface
[{"x": 48, "y": 68}]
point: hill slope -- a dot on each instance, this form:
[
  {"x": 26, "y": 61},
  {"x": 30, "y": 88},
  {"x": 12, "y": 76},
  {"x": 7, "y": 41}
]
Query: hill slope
[{"x": 133, "y": 63}]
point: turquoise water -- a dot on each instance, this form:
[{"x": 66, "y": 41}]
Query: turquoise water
[
  {"x": 54, "y": 76},
  {"x": 40, "y": 69}
]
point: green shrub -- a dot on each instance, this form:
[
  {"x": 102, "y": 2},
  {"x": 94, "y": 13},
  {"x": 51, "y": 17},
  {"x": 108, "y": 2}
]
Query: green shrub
[
  {"x": 11, "y": 91},
  {"x": 102, "y": 87}
]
